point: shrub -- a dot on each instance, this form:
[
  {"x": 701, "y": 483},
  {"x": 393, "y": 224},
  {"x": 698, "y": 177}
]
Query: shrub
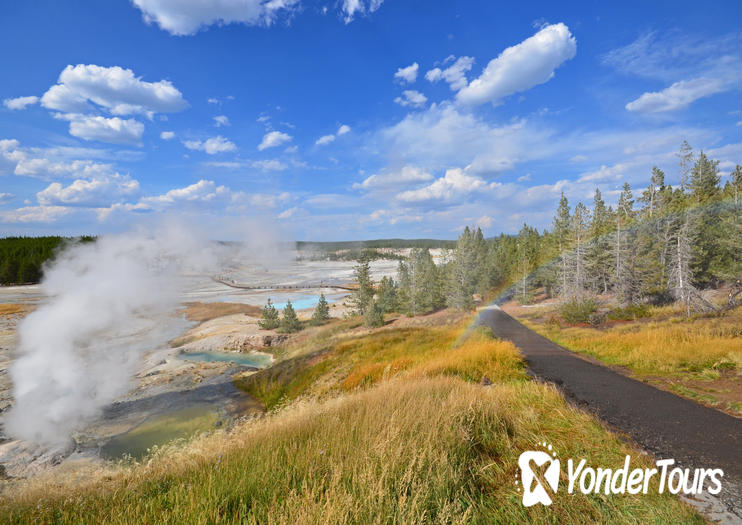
[
  {"x": 576, "y": 311},
  {"x": 631, "y": 312},
  {"x": 374, "y": 317},
  {"x": 660, "y": 298}
]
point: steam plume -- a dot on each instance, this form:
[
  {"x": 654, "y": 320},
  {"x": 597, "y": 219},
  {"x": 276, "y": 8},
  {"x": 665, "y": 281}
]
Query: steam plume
[{"x": 108, "y": 303}]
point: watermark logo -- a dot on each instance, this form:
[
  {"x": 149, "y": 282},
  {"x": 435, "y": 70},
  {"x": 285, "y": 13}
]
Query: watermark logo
[
  {"x": 545, "y": 462},
  {"x": 540, "y": 471}
]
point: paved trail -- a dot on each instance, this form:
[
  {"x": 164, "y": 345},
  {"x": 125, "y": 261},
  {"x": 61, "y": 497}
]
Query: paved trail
[{"x": 660, "y": 422}]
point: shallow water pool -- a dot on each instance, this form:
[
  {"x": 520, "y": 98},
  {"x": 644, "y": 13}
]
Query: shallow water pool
[
  {"x": 160, "y": 429},
  {"x": 302, "y": 302},
  {"x": 252, "y": 359}
]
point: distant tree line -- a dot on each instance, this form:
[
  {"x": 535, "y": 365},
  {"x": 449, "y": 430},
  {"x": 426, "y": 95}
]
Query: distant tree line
[
  {"x": 665, "y": 244},
  {"x": 22, "y": 258},
  {"x": 422, "y": 286},
  {"x": 352, "y": 254},
  {"x": 375, "y": 244}
]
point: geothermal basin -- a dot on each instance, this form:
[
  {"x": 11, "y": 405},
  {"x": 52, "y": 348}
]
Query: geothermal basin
[{"x": 184, "y": 387}]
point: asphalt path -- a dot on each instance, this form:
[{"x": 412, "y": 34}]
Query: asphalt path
[{"x": 662, "y": 423}]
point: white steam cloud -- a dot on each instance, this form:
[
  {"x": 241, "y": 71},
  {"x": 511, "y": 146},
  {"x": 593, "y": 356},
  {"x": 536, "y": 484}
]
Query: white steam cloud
[{"x": 108, "y": 303}]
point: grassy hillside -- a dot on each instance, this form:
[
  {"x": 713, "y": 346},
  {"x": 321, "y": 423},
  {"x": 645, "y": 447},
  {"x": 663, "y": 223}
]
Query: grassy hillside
[
  {"x": 698, "y": 357},
  {"x": 392, "y": 426}
]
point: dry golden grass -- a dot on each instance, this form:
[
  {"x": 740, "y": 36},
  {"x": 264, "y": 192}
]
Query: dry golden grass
[
  {"x": 429, "y": 450},
  {"x": 387, "y": 427},
  {"x": 346, "y": 363},
  {"x": 668, "y": 345}
]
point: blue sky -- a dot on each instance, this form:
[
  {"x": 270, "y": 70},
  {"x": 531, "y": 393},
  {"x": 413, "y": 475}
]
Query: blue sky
[{"x": 352, "y": 119}]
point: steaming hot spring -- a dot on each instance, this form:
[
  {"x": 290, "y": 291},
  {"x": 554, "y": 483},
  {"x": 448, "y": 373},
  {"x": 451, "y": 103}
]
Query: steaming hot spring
[{"x": 133, "y": 341}]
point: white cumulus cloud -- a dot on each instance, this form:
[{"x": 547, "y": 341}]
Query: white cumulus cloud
[
  {"x": 44, "y": 214},
  {"x": 203, "y": 190},
  {"x": 455, "y": 74},
  {"x": 167, "y": 135},
  {"x": 351, "y": 8},
  {"x": 47, "y": 163},
  {"x": 96, "y": 192},
  {"x": 412, "y": 98},
  {"x": 443, "y": 135},
  {"x": 221, "y": 120},
  {"x": 394, "y": 178},
  {"x": 456, "y": 183},
  {"x": 115, "y": 89},
  {"x": 407, "y": 74},
  {"x": 325, "y": 139},
  {"x": 187, "y": 17},
  {"x": 114, "y": 130},
  {"x": 211, "y": 146},
  {"x": 19, "y": 102},
  {"x": 273, "y": 139},
  {"x": 522, "y": 66}
]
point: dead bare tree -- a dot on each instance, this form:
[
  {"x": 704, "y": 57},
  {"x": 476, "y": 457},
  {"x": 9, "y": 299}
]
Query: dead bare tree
[{"x": 680, "y": 266}]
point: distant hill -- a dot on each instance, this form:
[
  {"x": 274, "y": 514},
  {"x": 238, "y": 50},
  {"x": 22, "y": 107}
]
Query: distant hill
[{"x": 375, "y": 244}]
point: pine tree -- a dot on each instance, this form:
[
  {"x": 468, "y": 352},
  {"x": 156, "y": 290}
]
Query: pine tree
[
  {"x": 423, "y": 281},
  {"x": 527, "y": 246},
  {"x": 731, "y": 228},
  {"x": 705, "y": 192},
  {"x": 373, "y": 317},
  {"x": 290, "y": 322},
  {"x": 365, "y": 292},
  {"x": 599, "y": 259},
  {"x": 463, "y": 274},
  {"x": 387, "y": 295},
  {"x": 686, "y": 162},
  {"x": 653, "y": 193},
  {"x": 483, "y": 280},
  {"x": 269, "y": 317},
  {"x": 704, "y": 181},
  {"x": 321, "y": 313},
  {"x": 624, "y": 256},
  {"x": 651, "y": 235},
  {"x": 736, "y": 183},
  {"x": 403, "y": 288}
]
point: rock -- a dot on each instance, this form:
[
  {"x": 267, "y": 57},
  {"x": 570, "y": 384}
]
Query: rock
[{"x": 272, "y": 340}]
